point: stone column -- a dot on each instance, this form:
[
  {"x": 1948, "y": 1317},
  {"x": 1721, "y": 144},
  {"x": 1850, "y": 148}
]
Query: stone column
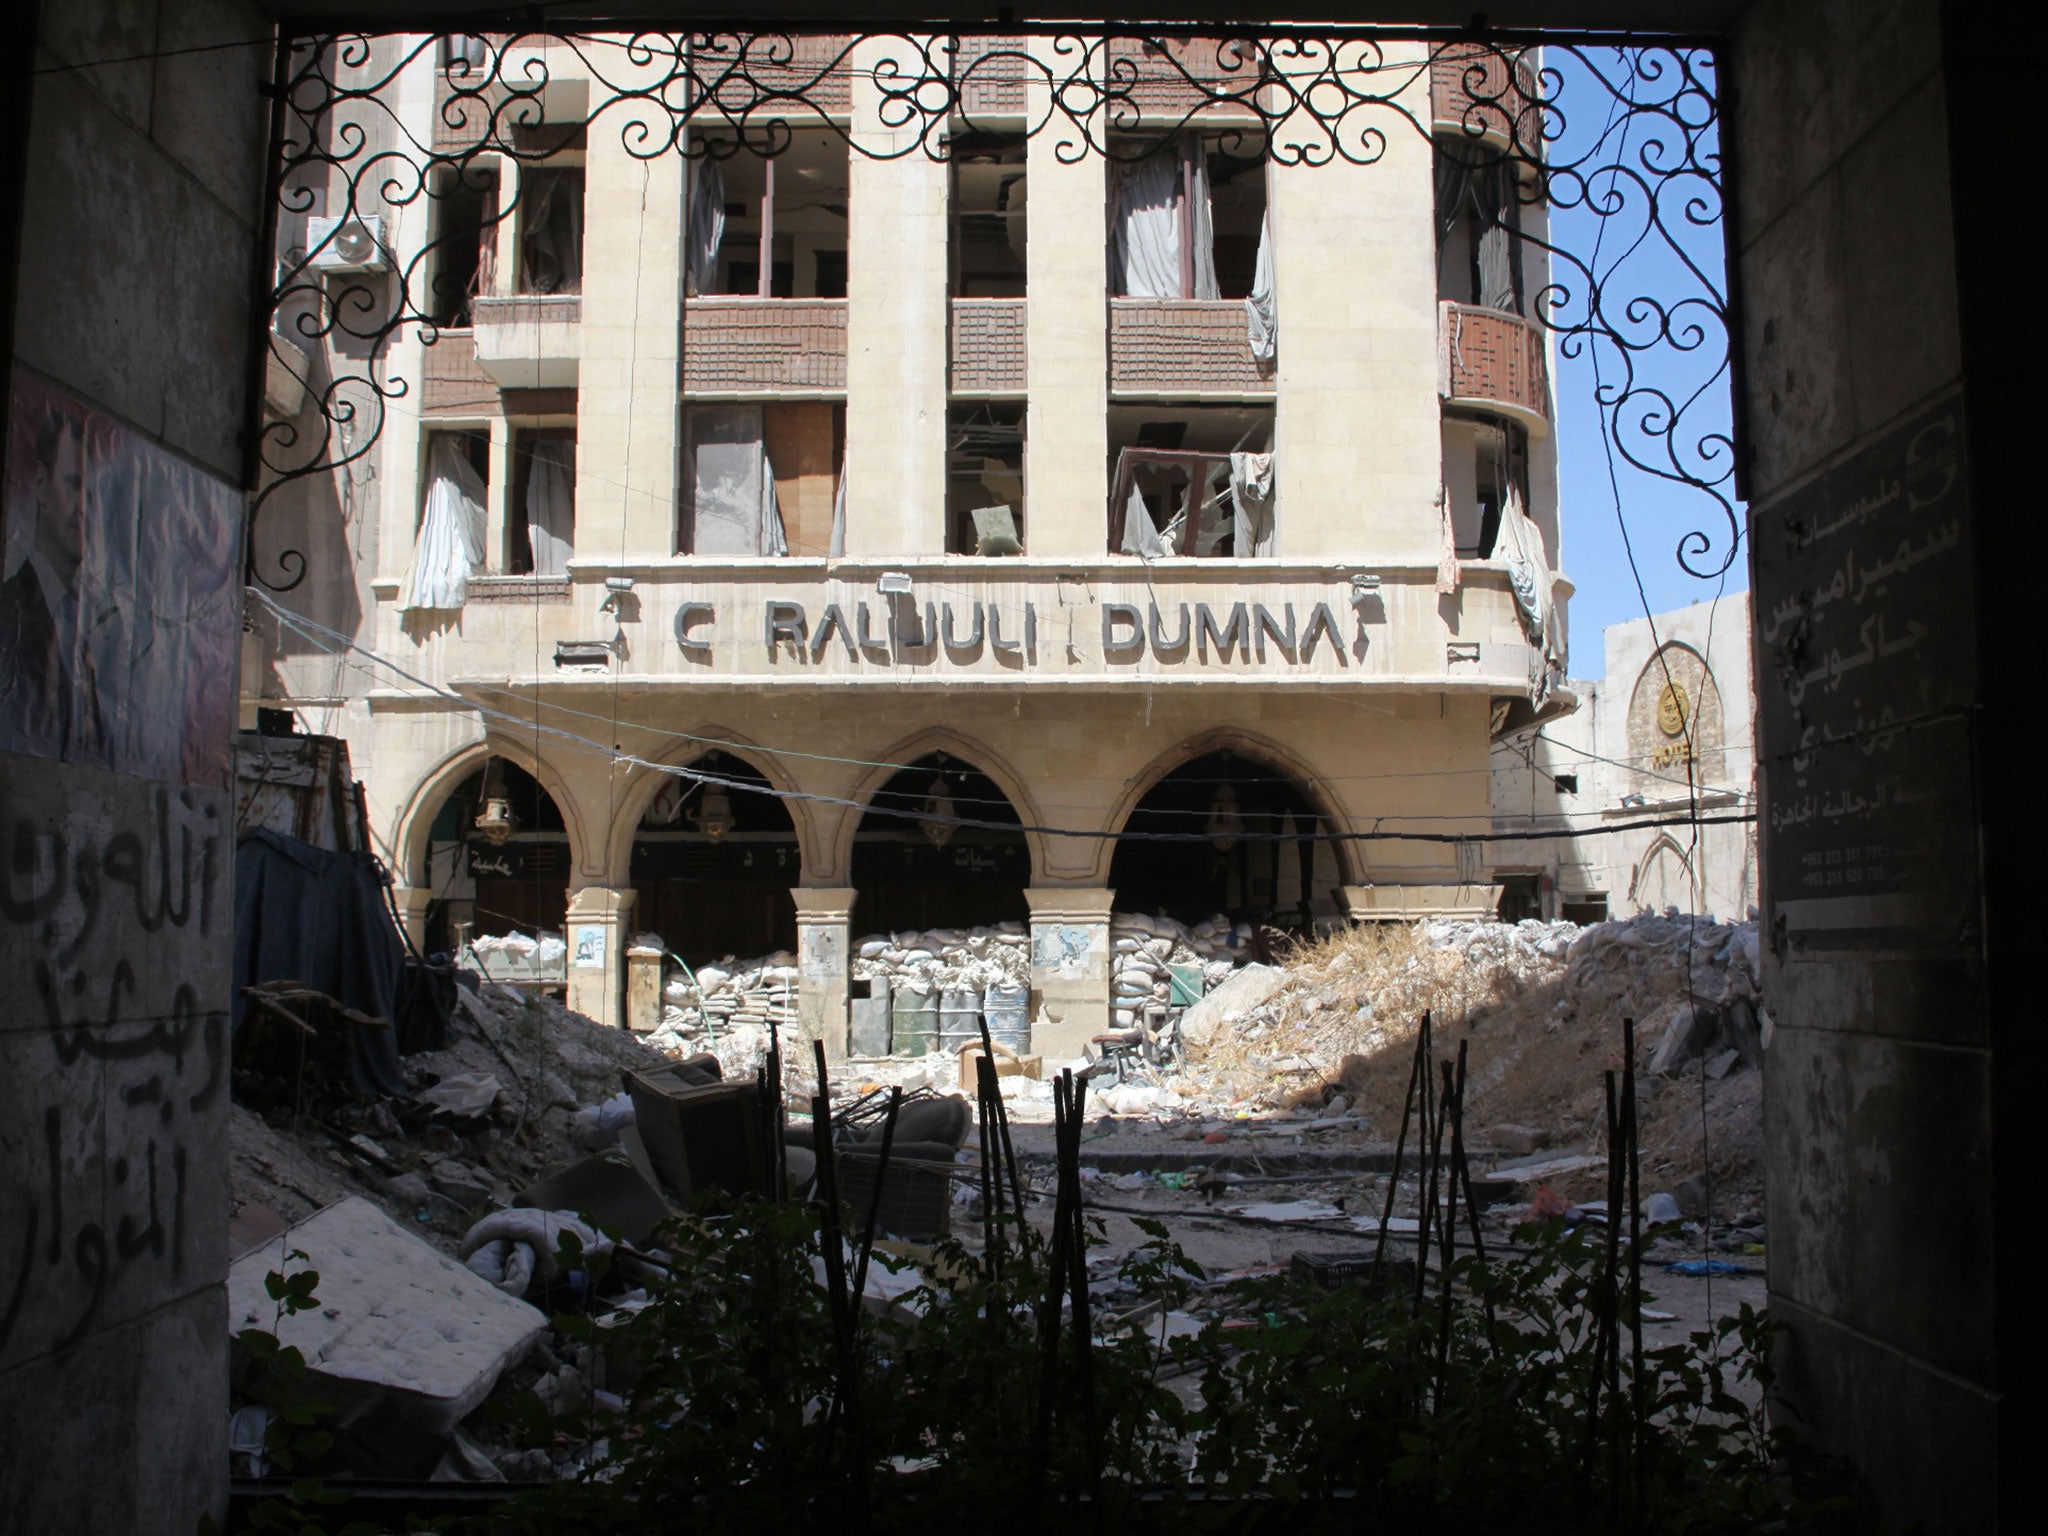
[
  {"x": 822, "y": 962},
  {"x": 1069, "y": 967},
  {"x": 597, "y": 936},
  {"x": 412, "y": 902}
]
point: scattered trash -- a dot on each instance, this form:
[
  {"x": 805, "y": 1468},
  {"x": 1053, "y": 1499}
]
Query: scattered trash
[{"x": 1701, "y": 1268}]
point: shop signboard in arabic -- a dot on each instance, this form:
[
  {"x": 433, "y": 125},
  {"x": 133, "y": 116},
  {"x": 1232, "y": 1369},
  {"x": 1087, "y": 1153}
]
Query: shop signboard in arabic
[{"x": 1865, "y": 670}]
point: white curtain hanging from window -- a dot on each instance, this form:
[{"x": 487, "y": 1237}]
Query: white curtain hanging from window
[
  {"x": 1251, "y": 487},
  {"x": 707, "y": 225},
  {"x": 451, "y": 539},
  {"x": 1261, "y": 316},
  {"x": 838, "y": 546},
  {"x": 1153, "y": 225},
  {"x": 551, "y": 232},
  {"x": 551, "y": 506}
]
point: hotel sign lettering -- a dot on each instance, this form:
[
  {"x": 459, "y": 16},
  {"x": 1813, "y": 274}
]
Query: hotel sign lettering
[{"x": 900, "y": 631}]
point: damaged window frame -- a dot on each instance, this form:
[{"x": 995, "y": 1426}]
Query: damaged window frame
[
  {"x": 1003, "y": 149},
  {"x": 1496, "y": 459},
  {"x": 963, "y": 535},
  {"x": 773, "y": 278},
  {"x": 522, "y": 438},
  {"x": 541, "y": 187},
  {"x": 1199, "y": 465},
  {"x": 1479, "y": 199},
  {"x": 782, "y": 541},
  {"x": 464, "y": 252}
]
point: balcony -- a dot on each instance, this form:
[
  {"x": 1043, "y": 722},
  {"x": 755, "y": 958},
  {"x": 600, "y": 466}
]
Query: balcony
[
  {"x": 530, "y": 341},
  {"x": 987, "y": 347},
  {"x": 774, "y": 75},
  {"x": 452, "y": 383},
  {"x": 1471, "y": 96},
  {"x": 993, "y": 81},
  {"x": 1174, "y": 77},
  {"x": 1182, "y": 346},
  {"x": 764, "y": 346},
  {"x": 1495, "y": 361}
]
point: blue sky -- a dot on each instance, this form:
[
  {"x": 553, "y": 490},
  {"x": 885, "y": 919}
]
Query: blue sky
[{"x": 1635, "y": 255}]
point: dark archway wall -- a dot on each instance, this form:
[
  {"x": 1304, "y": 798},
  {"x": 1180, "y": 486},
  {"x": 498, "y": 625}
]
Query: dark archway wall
[
  {"x": 129, "y": 208},
  {"x": 970, "y": 876},
  {"x": 1877, "y": 267},
  {"x": 712, "y": 897}
]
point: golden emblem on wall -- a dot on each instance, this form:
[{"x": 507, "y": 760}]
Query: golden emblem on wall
[{"x": 1674, "y": 709}]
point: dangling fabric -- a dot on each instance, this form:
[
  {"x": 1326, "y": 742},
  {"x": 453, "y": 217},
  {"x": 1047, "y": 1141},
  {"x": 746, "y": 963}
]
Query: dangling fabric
[
  {"x": 1251, "y": 487},
  {"x": 551, "y": 506},
  {"x": 551, "y": 233},
  {"x": 451, "y": 540},
  {"x": 1141, "y": 536},
  {"x": 1201, "y": 224},
  {"x": 1521, "y": 547},
  {"x": 1261, "y": 318},
  {"x": 1215, "y": 521},
  {"x": 1447, "y": 570},
  {"x": 707, "y": 225},
  {"x": 1146, "y": 239},
  {"x": 1500, "y": 237},
  {"x": 1453, "y": 189}
]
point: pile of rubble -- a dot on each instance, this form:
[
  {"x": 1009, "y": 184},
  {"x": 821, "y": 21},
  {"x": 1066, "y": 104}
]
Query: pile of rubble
[{"x": 1542, "y": 1005}]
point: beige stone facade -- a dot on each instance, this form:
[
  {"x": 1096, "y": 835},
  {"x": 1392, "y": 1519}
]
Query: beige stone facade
[{"x": 1073, "y": 678}]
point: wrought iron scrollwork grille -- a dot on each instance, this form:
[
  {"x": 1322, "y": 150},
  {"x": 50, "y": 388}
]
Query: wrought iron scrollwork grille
[{"x": 1626, "y": 133}]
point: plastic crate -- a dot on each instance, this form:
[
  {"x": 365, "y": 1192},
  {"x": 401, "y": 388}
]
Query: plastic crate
[{"x": 1333, "y": 1270}]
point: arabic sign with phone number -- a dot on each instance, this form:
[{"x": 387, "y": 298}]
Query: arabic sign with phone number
[{"x": 1865, "y": 671}]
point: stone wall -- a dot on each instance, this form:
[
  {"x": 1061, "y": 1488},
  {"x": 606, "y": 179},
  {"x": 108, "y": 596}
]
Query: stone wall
[{"x": 119, "y": 637}]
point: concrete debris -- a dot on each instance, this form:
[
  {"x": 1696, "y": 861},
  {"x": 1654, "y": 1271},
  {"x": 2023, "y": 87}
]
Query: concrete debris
[
  {"x": 398, "y": 1322},
  {"x": 1228, "y": 1003}
]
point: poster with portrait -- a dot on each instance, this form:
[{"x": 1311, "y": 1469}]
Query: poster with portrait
[{"x": 120, "y": 596}]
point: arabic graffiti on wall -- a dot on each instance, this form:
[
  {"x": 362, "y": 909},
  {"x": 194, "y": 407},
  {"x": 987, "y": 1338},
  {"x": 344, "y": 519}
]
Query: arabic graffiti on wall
[{"x": 1866, "y": 666}]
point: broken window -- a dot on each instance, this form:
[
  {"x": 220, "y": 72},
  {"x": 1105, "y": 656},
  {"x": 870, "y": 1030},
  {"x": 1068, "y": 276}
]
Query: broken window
[
  {"x": 465, "y": 213},
  {"x": 1482, "y": 459},
  {"x": 1192, "y": 480},
  {"x": 770, "y": 226},
  {"x": 985, "y": 478},
  {"x": 805, "y": 441},
  {"x": 988, "y": 219},
  {"x": 763, "y": 479},
  {"x": 1479, "y": 229},
  {"x": 542, "y": 515},
  {"x": 551, "y": 230},
  {"x": 1187, "y": 220}
]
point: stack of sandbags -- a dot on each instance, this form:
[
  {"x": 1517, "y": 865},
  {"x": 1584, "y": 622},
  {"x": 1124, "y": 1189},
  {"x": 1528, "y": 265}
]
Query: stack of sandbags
[
  {"x": 946, "y": 959},
  {"x": 1144, "y": 948}
]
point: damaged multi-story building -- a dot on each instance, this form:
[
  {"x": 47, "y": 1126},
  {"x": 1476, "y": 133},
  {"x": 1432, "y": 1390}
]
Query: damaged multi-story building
[{"x": 784, "y": 529}]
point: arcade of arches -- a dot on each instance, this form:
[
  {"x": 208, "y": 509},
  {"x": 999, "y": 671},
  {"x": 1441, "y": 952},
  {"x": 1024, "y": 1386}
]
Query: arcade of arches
[{"x": 744, "y": 851}]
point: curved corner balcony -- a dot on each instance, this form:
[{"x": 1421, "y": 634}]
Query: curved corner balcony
[
  {"x": 1493, "y": 360},
  {"x": 1471, "y": 95}
]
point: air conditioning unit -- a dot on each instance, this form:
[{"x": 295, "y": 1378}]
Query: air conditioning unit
[{"x": 348, "y": 243}]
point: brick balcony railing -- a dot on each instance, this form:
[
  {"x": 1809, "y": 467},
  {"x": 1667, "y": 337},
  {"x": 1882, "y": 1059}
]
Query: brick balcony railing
[
  {"x": 529, "y": 309},
  {"x": 992, "y": 87},
  {"x": 748, "y": 74},
  {"x": 452, "y": 381},
  {"x": 1182, "y": 344},
  {"x": 1494, "y": 360},
  {"x": 1470, "y": 94},
  {"x": 743, "y": 345},
  {"x": 1175, "y": 76},
  {"x": 988, "y": 347}
]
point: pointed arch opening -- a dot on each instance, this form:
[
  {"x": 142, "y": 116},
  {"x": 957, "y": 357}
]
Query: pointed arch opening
[
  {"x": 1239, "y": 838},
  {"x": 712, "y": 864},
  {"x": 496, "y": 859},
  {"x": 913, "y": 868}
]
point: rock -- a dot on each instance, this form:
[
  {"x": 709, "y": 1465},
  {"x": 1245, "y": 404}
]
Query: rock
[
  {"x": 1662, "y": 1207},
  {"x": 1515, "y": 1140},
  {"x": 1131, "y": 1099},
  {"x": 397, "y": 1320},
  {"x": 1686, "y": 1033},
  {"x": 1245, "y": 990},
  {"x": 1720, "y": 1066},
  {"x": 1337, "y": 1108},
  {"x": 1691, "y": 1194},
  {"x": 409, "y": 1189}
]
